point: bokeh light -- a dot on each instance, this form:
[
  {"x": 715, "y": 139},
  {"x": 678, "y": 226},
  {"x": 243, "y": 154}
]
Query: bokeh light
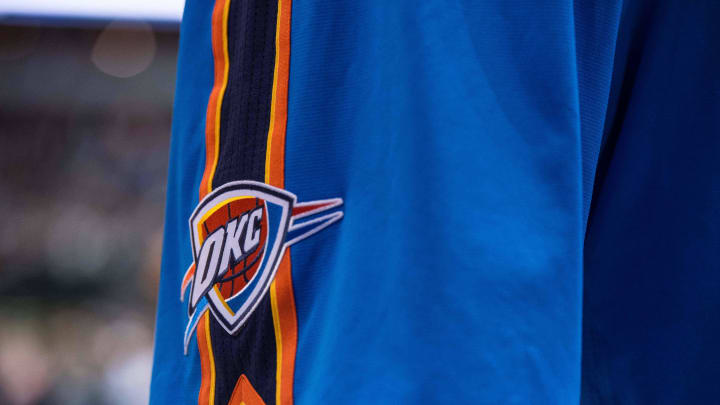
[{"x": 124, "y": 49}]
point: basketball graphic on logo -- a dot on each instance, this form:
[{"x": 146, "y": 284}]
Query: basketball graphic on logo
[
  {"x": 239, "y": 272},
  {"x": 239, "y": 233}
]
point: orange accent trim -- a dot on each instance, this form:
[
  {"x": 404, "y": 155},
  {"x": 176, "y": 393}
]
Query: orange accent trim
[
  {"x": 275, "y": 159},
  {"x": 206, "y": 396},
  {"x": 281, "y": 290},
  {"x": 212, "y": 121},
  {"x": 244, "y": 393},
  {"x": 283, "y": 298},
  {"x": 186, "y": 280}
]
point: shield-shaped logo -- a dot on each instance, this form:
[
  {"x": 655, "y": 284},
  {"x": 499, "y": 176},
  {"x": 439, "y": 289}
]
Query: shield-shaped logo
[{"x": 239, "y": 233}]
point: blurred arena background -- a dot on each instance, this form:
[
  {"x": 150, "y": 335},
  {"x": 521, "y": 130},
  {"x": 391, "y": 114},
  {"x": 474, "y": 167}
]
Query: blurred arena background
[{"x": 85, "y": 108}]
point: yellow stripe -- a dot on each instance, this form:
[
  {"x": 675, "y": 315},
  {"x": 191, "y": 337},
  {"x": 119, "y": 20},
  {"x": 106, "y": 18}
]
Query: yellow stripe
[
  {"x": 212, "y": 359},
  {"x": 278, "y": 338},
  {"x": 218, "y": 107}
]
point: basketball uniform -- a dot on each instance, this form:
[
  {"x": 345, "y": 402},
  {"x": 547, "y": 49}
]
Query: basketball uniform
[{"x": 455, "y": 202}]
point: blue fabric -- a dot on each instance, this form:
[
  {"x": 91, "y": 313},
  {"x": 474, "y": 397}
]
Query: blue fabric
[
  {"x": 452, "y": 132},
  {"x": 471, "y": 141},
  {"x": 175, "y": 377},
  {"x": 652, "y": 265}
]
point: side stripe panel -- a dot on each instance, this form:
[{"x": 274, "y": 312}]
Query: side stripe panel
[
  {"x": 244, "y": 121},
  {"x": 245, "y": 140}
]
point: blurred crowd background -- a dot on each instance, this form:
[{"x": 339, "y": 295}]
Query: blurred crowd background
[{"x": 85, "y": 111}]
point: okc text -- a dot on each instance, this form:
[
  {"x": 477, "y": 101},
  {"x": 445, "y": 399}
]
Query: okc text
[{"x": 236, "y": 240}]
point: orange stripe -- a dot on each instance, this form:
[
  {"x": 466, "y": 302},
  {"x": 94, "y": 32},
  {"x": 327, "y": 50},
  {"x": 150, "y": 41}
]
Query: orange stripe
[
  {"x": 281, "y": 291},
  {"x": 275, "y": 160},
  {"x": 206, "y": 396},
  {"x": 283, "y": 297},
  {"x": 212, "y": 124},
  {"x": 186, "y": 280}
]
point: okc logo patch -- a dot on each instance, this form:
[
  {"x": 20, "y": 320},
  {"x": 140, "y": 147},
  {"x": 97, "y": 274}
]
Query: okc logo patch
[{"x": 239, "y": 233}]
